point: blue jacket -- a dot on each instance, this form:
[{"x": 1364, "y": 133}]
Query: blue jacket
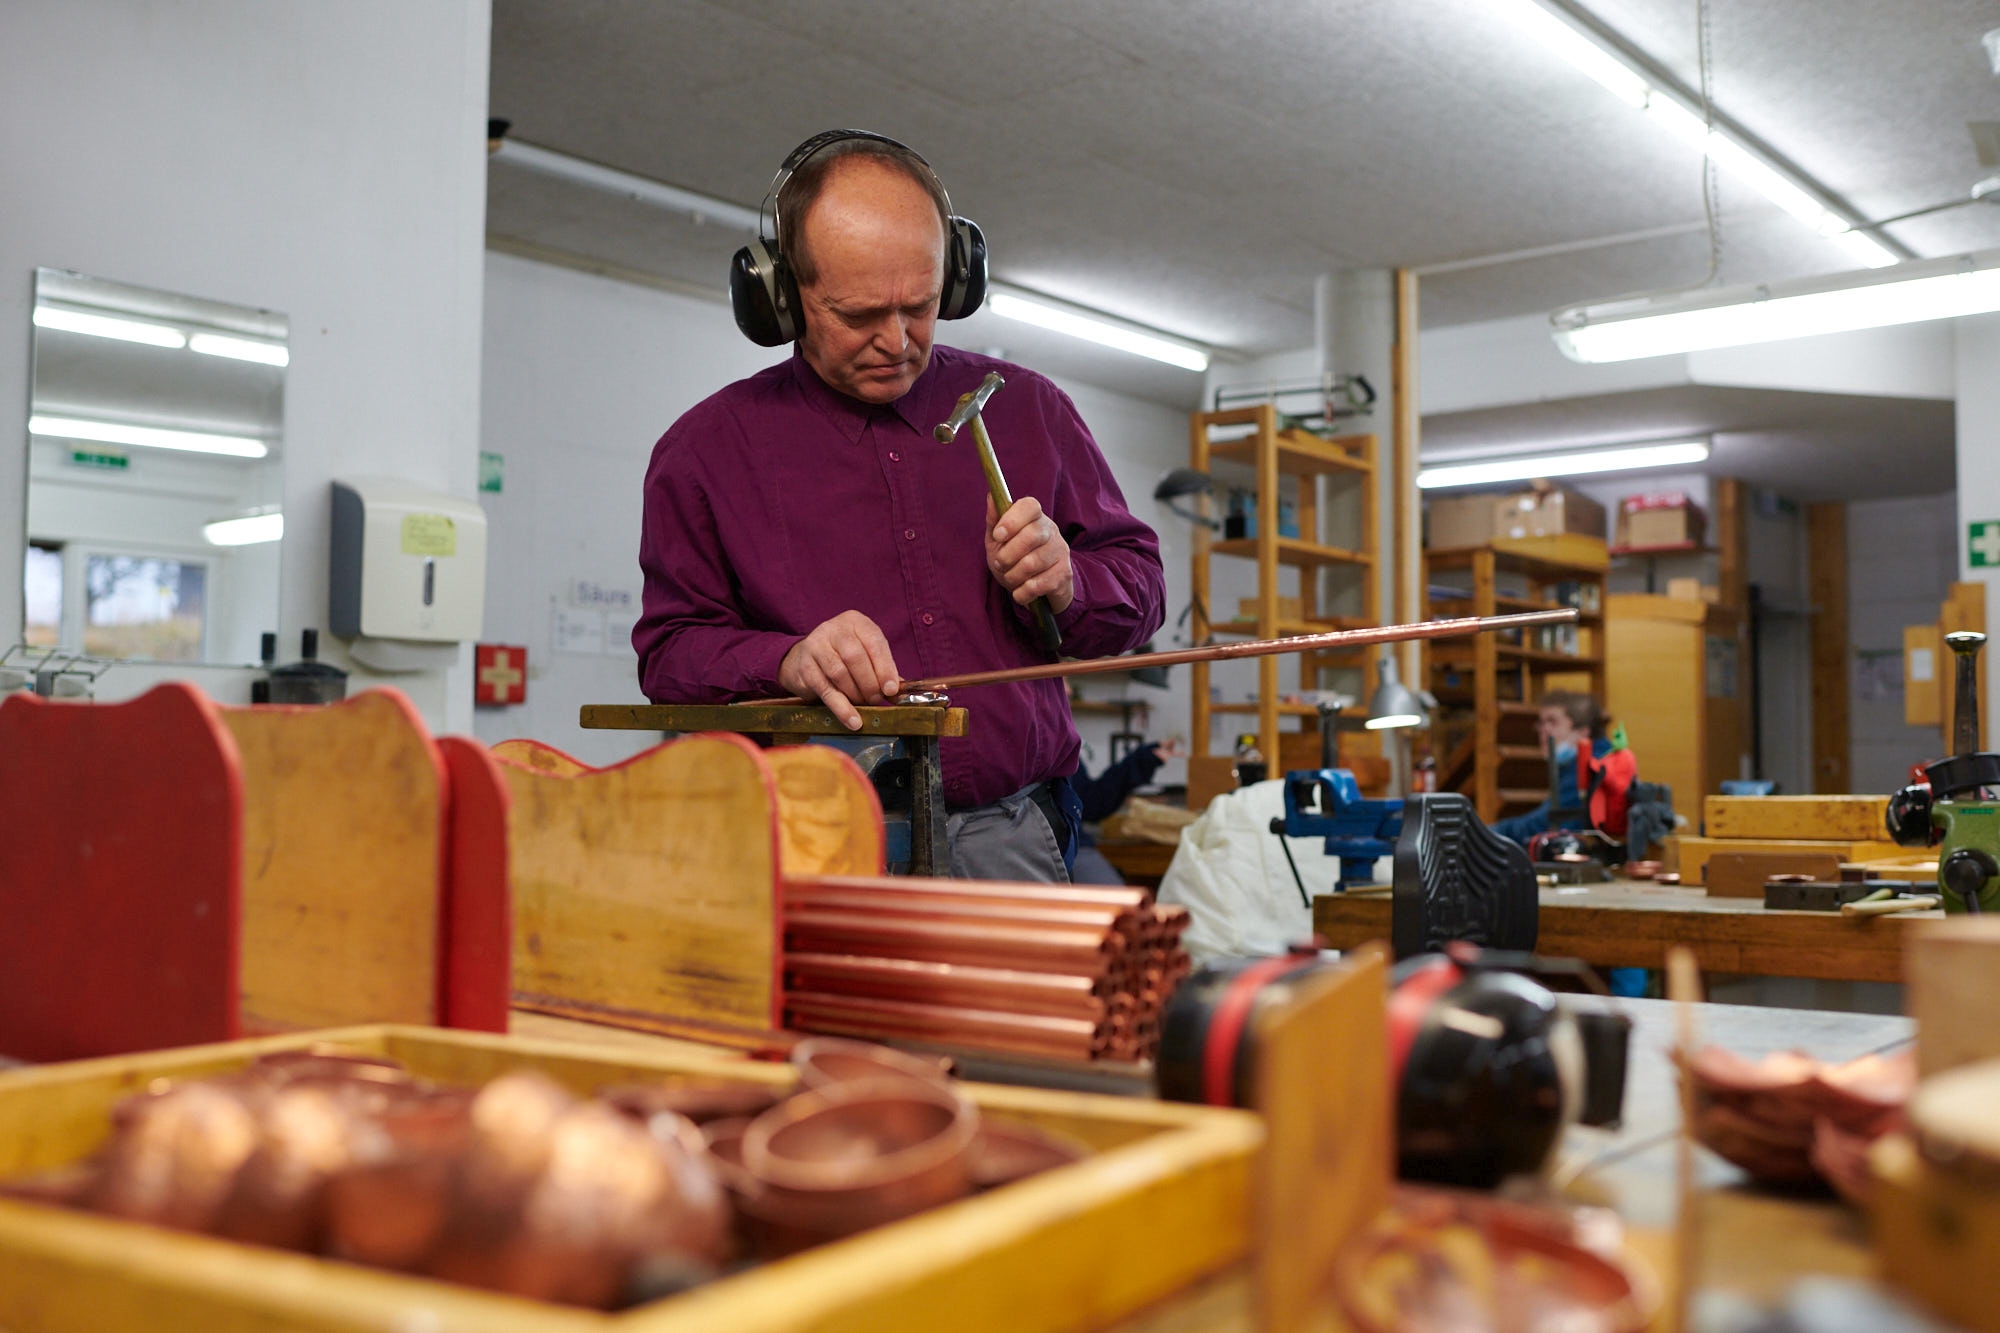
[{"x": 1541, "y": 819}]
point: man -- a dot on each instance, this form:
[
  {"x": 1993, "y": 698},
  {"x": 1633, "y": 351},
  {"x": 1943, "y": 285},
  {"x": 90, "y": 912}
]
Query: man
[
  {"x": 804, "y": 533},
  {"x": 1563, "y": 721}
]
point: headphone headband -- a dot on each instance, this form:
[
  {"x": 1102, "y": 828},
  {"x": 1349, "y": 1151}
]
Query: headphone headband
[
  {"x": 763, "y": 292},
  {"x": 810, "y": 149}
]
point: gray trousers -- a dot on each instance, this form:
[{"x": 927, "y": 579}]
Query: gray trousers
[{"x": 1007, "y": 840}]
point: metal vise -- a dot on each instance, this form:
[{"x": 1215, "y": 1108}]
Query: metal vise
[
  {"x": 1327, "y": 803},
  {"x": 1950, "y": 809}
]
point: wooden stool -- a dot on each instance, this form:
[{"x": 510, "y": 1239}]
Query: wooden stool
[{"x": 916, "y": 728}]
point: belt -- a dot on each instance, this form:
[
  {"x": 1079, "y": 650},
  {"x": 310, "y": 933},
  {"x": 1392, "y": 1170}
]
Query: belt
[{"x": 1043, "y": 794}]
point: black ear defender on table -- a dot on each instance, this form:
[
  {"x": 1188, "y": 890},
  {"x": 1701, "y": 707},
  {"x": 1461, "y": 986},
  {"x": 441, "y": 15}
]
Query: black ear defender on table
[{"x": 764, "y": 293}]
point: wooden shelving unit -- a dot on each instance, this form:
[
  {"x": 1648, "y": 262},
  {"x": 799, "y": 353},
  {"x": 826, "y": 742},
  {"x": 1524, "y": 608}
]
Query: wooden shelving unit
[
  {"x": 1495, "y": 757},
  {"x": 1275, "y": 454}
]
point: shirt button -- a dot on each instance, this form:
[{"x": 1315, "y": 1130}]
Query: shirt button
[
  {"x": 909, "y": 534},
  {"x": 928, "y": 617},
  {"x": 895, "y": 457}
]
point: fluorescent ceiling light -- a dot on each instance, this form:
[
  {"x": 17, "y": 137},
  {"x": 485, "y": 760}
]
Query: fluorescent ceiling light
[
  {"x": 1527, "y": 467},
  {"x": 105, "y": 326},
  {"x": 1125, "y": 339},
  {"x": 240, "y": 349},
  {"x": 267, "y": 525},
  {"x": 1909, "y": 293},
  {"x": 1629, "y": 79},
  {"x": 149, "y": 437}
]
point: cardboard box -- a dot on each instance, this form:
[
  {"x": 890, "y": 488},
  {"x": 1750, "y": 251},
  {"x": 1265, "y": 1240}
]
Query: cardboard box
[
  {"x": 1662, "y": 518},
  {"x": 1547, "y": 512},
  {"x": 1460, "y": 520}
]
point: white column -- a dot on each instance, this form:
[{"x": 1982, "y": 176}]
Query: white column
[{"x": 1979, "y": 460}]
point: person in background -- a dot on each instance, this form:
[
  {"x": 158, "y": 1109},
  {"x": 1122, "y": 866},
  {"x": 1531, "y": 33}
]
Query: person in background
[
  {"x": 1565, "y": 721},
  {"x": 1102, "y": 796}
]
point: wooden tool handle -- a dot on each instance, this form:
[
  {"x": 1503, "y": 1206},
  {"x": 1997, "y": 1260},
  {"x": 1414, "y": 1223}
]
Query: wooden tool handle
[
  {"x": 1883, "y": 906},
  {"x": 1003, "y": 500}
]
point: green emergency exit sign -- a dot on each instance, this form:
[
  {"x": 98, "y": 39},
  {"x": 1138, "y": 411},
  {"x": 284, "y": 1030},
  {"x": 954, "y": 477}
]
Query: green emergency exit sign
[
  {"x": 103, "y": 459},
  {"x": 1982, "y": 544}
]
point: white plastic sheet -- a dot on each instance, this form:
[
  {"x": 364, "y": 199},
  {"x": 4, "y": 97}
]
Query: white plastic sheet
[{"x": 1230, "y": 873}]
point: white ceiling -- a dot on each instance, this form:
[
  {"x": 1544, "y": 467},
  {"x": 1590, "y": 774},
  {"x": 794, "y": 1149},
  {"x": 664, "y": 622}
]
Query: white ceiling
[{"x": 1192, "y": 164}]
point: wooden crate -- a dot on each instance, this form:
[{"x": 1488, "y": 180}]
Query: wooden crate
[
  {"x": 175, "y": 872},
  {"x": 1857, "y": 818},
  {"x": 1165, "y": 1202},
  {"x": 1934, "y": 1233},
  {"x": 1693, "y": 853}
]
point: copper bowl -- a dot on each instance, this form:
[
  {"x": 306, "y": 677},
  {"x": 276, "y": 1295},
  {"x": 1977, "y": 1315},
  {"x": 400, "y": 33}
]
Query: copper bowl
[
  {"x": 1004, "y": 1153},
  {"x": 824, "y": 1061},
  {"x": 845, "y": 1158},
  {"x": 1641, "y": 869}
]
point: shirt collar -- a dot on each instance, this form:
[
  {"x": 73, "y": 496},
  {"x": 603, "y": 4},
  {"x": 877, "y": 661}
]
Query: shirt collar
[{"x": 926, "y": 404}]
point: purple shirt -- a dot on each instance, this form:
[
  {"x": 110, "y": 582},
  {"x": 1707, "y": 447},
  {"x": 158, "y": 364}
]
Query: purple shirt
[{"x": 779, "y": 503}]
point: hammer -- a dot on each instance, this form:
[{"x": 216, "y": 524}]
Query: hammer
[{"x": 966, "y": 412}]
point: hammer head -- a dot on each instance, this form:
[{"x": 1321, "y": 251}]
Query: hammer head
[{"x": 968, "y": 408}]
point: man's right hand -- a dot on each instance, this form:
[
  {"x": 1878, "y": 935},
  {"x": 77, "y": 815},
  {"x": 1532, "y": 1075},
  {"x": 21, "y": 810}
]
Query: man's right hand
[{"x": 845, "y": 661}]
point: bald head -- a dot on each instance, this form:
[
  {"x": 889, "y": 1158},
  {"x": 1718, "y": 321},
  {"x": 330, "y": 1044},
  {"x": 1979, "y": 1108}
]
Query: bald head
[{"x": 869, "y": 256}]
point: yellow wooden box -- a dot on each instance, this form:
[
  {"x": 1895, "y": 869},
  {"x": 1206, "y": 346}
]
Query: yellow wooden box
[{"x": 1165, "y": 1201}]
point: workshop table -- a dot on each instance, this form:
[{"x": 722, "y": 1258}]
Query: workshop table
[
  {"x": 1754, "y": 1243},
  {"x": 1141, "y": 862},
  {"x": 1630, "y": 924}
]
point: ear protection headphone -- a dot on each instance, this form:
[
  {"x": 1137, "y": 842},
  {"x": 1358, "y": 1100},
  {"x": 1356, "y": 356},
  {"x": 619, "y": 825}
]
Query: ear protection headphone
[{"x": 764, "y": 293}]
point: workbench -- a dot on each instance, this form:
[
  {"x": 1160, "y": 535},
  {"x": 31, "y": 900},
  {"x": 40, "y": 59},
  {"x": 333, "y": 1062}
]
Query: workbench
[
  {"x": 1141, "y": 862},
  {"x": 1630, "y": 924},
  {"x": 1754, "y": 1243}
]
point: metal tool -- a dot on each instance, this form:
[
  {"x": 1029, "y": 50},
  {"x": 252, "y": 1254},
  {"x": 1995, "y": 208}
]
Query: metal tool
[
  {"x": 1216, "y": 652},
  {"x": 1950, "y": 809},
  {"x": 967, "y": 413}
]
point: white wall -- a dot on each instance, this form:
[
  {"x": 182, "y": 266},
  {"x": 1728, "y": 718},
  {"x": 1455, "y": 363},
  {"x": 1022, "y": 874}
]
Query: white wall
[
  {"x": 1978, "y": 349},
  {"x": 582, "y": 375},
  {"x": 322, "y": 160}
]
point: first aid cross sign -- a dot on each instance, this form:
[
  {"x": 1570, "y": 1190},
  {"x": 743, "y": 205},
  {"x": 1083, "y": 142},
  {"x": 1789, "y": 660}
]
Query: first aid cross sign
[{"x": 1982, "y": 544}]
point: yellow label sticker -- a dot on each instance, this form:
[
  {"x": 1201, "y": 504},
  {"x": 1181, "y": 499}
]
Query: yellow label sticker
[{"x": 429, "y": 534}]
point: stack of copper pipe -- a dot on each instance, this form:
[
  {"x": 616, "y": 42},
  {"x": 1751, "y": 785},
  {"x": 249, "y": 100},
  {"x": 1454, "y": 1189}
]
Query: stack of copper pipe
[{"x": 1076, "y": 972}]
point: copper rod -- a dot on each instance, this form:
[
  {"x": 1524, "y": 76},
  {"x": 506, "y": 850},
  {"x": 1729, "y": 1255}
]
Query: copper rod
[
  {"x": 998, "y": 940},
  {"x": 1099, "y": 969},
  {"x": 877, "y": 1030},
  {"x": 946, "y": 1019},
  {"x": 1081, "y": 895},
  {"x": 1026, "y": 1003},
  {"x": 891, "y": 971},
  {"x": 922, "y": 906},
  {"x": 1298, "y": 643}
]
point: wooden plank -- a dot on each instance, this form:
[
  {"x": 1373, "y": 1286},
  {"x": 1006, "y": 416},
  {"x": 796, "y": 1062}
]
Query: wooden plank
[
  {"x": 1200, "y": 596},
  {"x": 344, "y": 863},
  {"x": 1694, "y": 852},
  {"x": 1732, "y": 539},
  {"x": 829, "y": 818},
  {"x": 1321, "y": 1085},
  {"x": 1862, "y": 818},
  {"x": 1619, "y": 926},
  {"x": 1742, "y": 874},
  {"x": 476, "y": 945},
  {"x": 1954, "y": 991},
  {"x": 1406, "y": 432},
  {"x": 120, "y": 875},
  {"x": 1826, "y": 563},
  {"x": 1163, "y": 1203},
  {"x": 535, "y": 755},
  {"x": 647, "y": 890},
  {"x": 1935, "y": 1231},
  {"x": 1653, "y": 685}
]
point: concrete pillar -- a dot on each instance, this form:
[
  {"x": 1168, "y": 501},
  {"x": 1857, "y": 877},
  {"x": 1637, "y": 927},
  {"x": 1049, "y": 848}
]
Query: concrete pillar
[
  {"x": 1355, "y": 333},
  {"x": 1978, "y": 347}
]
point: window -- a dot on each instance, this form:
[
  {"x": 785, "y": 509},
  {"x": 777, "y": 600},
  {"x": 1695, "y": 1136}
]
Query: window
[
  {"x": 44, "y": 596},
  {"x": 145, "y": 606}
]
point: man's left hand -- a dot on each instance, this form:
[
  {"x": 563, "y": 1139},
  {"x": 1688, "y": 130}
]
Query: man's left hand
[{"x": 1028, "y": 555}]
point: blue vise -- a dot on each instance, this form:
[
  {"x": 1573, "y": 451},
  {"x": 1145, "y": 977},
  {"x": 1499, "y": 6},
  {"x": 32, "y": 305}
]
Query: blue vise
[{"x": 1327, "y": 803}]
